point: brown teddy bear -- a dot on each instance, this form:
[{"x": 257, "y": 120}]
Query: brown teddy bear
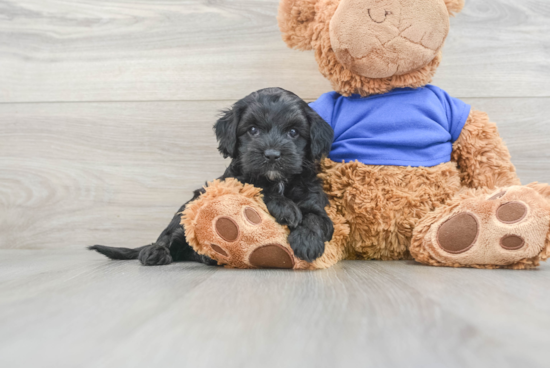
[{"x": 413, "y": 172}]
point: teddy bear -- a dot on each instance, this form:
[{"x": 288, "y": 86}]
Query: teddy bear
[{"x": 413, "y": 173}]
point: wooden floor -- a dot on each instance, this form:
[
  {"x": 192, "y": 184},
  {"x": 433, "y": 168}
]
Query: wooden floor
[
  {"x": 106, "y": 109},
  {"x": 61, "y": 308}
]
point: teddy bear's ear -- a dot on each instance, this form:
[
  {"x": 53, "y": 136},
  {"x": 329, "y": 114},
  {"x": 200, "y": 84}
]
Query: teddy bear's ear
[
  {"x": 454, "y": 6},
  {"x": 296, "y": 19}
]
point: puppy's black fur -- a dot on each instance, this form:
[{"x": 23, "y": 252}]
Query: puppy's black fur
[{"x": 275, "y": 141}]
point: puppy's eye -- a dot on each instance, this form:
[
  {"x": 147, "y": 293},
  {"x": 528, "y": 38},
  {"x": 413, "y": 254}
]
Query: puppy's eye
[
  {"x": 292, "y": 133},
  {"x": 253, "y": 131}
]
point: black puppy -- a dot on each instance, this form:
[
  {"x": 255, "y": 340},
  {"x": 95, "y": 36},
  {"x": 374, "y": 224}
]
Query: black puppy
[{"x": 275, "y": 141}]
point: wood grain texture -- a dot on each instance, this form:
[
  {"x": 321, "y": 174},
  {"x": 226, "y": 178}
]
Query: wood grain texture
[
  {"x": 87, "y": 311},
  {"x": 77, "y": 174},
  {"x": 126, "y": 50},
  {"x": 117, "y": 171}
]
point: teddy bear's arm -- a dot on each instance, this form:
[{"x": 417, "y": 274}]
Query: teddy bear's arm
[{"x": 482, "y": 156}]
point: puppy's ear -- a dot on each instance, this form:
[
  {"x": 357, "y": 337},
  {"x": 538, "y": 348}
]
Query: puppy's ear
[
  {"x": 321, "y": 136},
  {"x": 226, "y": 131}
]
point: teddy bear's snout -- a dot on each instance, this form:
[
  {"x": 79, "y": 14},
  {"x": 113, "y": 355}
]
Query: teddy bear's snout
[{"x": 385, "y": 38}]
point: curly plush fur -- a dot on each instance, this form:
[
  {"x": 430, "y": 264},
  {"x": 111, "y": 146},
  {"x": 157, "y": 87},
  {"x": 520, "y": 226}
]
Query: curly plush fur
[
  {"x": 390, "y": 212},
  {"x": 482, "y": 155},
  {"x": 406, "y": 195},
  {"x": 386, "y": 207}
]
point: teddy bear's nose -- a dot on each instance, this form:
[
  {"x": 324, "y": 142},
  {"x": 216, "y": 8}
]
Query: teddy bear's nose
[{"x": 378, "y": 15}]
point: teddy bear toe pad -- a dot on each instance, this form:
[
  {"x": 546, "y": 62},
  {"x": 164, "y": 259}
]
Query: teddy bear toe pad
[
  {"x": 236, "y": 233},
  {"x": 458, "y": 234},
  {"x": 246, "y": 238},
  {"x": 216, "y": 248},
  {"x": 230, "y": 224},
  {"x": 271, "y": 256},
  {"x": 227, "y": 229},
  {"x": 511, "y": 212},
  {"x": 499, "y": 230}
]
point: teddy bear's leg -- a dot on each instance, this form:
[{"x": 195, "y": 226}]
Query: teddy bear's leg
[
  {"x": 383, "y": 204},
  {"x": 499, "y": 228},
  {"x": 231, "y": 224}
]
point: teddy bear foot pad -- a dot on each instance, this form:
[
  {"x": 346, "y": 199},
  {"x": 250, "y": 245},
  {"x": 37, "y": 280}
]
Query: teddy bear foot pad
[
  {"x": 231, "y": 225},
  {"x": 491, "y": 231},
  {"x": 267, "y": 256},
  {"x": 236, "y": 235}
]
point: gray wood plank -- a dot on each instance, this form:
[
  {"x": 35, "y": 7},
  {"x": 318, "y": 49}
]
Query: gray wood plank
[
  {"x": 123, "y": 50},
  {"x": 485, "y": 299},
  {"x": 75, "y": 293},
  {"x": 73, "y": 308},
  {"x": 100, "y": 163},
  {"x": 76, "y": 174},
  {"x": 497, "y": 48}
]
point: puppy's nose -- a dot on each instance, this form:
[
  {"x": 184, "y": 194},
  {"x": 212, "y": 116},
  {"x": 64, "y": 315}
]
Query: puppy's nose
[{"x": 272, "y": 154}]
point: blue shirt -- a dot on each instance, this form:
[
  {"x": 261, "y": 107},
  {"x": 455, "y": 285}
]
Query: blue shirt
[{"x": 405, "y": 127}]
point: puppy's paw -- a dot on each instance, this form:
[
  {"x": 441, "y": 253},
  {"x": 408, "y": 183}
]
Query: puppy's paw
[
  {"x": 155, "y": 255},
  {"x": 285, "y": 212},
  {"x": 307, "y": 245}
]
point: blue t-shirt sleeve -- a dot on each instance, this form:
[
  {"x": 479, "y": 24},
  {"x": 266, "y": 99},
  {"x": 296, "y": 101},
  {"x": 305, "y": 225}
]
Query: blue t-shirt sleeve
[
  {"x": 324, "y": 106},
  {"x": 457, "y": 112}
]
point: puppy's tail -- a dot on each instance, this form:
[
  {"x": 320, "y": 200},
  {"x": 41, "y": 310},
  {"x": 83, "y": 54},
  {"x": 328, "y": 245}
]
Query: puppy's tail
[{"x": 117, "y": 253}]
